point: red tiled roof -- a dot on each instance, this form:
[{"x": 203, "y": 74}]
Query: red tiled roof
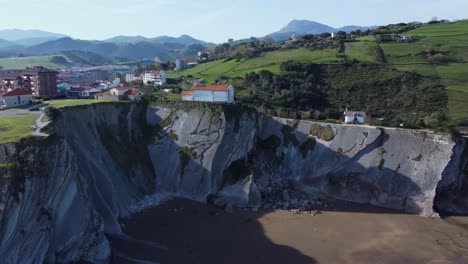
[
  {"x": 132, "y": 92},
  {"x": 212, "y": 88},
  {"x": 188, "y": 93},
  {"x": 17, "y": 92}
]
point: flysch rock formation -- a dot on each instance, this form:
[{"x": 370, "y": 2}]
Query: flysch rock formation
[{"x": 60, "y": 195}]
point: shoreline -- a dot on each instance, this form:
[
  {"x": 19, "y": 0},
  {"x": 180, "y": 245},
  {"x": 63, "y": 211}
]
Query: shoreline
[{"x": 184, "y": 231}]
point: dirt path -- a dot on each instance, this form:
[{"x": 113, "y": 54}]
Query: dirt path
[{"x": 40, "y": 125}]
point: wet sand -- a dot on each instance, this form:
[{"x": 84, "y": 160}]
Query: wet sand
[{"x": 183, "y": 231}]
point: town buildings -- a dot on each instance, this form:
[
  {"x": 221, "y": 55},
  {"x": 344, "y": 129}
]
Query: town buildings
[
  {"x": 82, "y": 93},
  {"x": 210, "y": 93},
  {"x": 131, "y": 77},
  {"x": 121, "y": 93},
  {"x": 15, "y": 98},
  {"x": 183, "y": 64},
  {"x": 156, "y": 77},
  {"x": 41, "y": 82}
]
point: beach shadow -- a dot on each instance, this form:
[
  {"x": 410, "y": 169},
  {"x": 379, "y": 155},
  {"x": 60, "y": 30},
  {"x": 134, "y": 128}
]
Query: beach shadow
[{"x": 191, "y": 232}]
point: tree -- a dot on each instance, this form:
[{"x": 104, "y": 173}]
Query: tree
[
  {"x": 58, "y": 60},
  {"x": 341, "y": 33}
]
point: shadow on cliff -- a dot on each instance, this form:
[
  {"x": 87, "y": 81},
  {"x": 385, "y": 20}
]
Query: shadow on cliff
[
  {"x": 350, "y": 186},
  {"x": 192, "y": 232},
  {"x": 184, "y": 231}
]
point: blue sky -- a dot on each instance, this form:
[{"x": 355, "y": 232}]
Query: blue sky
[{"x": 214, "y": 20}]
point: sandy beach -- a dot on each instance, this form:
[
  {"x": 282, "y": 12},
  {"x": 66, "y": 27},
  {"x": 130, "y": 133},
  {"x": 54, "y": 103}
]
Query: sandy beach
[{"x": 183, "y": 231}]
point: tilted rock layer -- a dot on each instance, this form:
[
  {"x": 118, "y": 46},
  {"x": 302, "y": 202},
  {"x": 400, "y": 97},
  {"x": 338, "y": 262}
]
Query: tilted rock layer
[{"x": 60, "y": 195}]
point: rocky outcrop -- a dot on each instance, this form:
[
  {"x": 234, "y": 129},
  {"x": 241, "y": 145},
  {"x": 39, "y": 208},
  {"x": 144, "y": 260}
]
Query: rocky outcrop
[{"x": 61, "y": 194}]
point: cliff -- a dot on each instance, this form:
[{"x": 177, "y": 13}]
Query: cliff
[
  {"x": 60, "y": 195},
  {"x": 398, "y": 169},
  {"x": 65, "y": 191}
]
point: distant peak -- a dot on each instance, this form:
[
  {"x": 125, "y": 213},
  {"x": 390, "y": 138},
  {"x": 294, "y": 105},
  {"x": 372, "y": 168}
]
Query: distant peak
[{"x": 185, "y": 36}]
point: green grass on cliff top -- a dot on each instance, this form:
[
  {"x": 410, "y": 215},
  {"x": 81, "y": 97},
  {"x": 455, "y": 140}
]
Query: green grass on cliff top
[
  {"x": 75, "y": 102},
  {"x": 14, "y": 128}
]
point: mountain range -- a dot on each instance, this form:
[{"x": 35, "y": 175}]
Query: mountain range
[
  {"x": 14, "y": 42},
  {"x": 302, "y": 27},
  {"x": 18, "y": 37}
]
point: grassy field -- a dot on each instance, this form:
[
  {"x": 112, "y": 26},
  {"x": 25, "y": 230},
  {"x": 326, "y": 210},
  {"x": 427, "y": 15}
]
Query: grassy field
[
  {"x": 23, "y": 62},
  {"x": 268, "y": 61},
  {"x": 74, "y": 102},
  {"x": 14, "y": 128},
  {"x": 449, "y": 39},
  {"x": 361, "y": 51}
]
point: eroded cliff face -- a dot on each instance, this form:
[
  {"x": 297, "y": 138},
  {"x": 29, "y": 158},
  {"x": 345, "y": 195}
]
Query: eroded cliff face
[
  {"x": 65, "y": 191},
  {"x": 60, "y": 195},
  {"x": 392, "y": 168}
]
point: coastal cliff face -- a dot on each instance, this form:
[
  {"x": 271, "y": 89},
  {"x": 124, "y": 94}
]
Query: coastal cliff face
[
  {"x": 60, "y": 195},
  {"x": 392, "y": 168},
  {"x": 64, "y": 192}
]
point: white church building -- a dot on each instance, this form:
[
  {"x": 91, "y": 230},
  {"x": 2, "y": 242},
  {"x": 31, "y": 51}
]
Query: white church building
[{"x": 210, "y": 93}]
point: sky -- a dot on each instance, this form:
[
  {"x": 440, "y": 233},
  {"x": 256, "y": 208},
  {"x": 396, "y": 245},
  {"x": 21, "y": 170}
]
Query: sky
[{"x": 214, "y": 20}]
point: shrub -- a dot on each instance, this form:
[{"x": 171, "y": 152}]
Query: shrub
[
  {"x": 381, "y": 163},
  {"x": 438, "y": 59},
  {"x": 186, "y": 154},
  {"x": 332, "y": 121},
  {"x": 339, "y": 151},
  {"x": 382, "y": 151},
  {"x": 173, "y": 135},
  {"x": 322, "y": 132}
]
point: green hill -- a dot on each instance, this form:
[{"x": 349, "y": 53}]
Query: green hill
[
  {"x": 270, "y": 61},
  {"x": 23, "y": 62},
  {"x": 58, "y": 61},
  {"x": 446, "y": 44}
]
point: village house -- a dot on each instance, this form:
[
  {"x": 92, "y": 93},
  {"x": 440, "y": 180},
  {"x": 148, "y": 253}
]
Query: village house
[
  {"x": 40, "y": 81},
  {"x": 133, "y": 94},
  {"x": 203, "y": 55},
  {"x": 405, "y": 39},
  {"x": 183, "y": 64},
  {"x": 119, "y": 91},
  {"x": 210, "y": 93},
  {"x": 82, "y": 93},
  {"x": 187, "y": 95},
  {"x": 122, "y": 93},
  {"x": 156, "y": 77},
  {"x": 355, "y": 117},
  {"x": 15, "y": 98}
]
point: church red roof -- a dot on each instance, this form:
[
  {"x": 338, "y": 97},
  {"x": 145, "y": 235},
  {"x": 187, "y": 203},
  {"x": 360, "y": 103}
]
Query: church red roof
[
  {"x": 17, "y": 92},
  {"x": 222, "y": 88}
]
